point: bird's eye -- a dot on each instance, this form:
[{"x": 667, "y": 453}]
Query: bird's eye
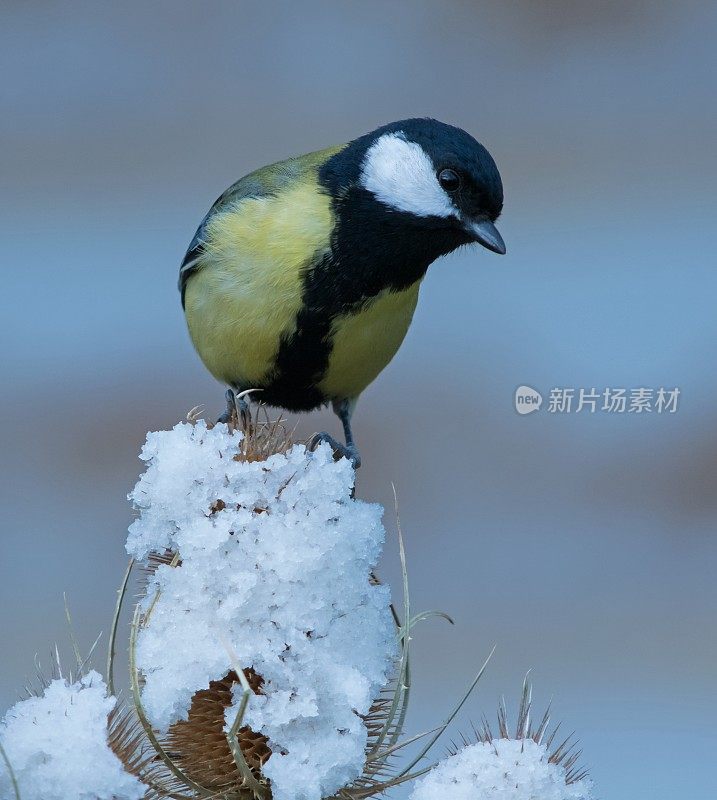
[{"x": 449, "y": 179}]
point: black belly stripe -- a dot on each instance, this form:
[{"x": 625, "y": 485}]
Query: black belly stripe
[
  {"x": 372, "y": 250},
  {"x": 300, "y": 364}
]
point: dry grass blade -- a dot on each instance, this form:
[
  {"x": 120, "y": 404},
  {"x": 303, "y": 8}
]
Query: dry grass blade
[
  {"x": 388, "y": 751},
  {"x": 427, "y": 615},
  {"x": 121, "y": 592},
  {"x": 449, "y": 719},
  {"x": 175, "y": 560},
  {"x": 259, "y": 789},
  {"x": 403, "y": 687},
  {"x": 200, "y": 744},
  {"x": 134, "y": 679},
  {"x": 10, "y": 772}
]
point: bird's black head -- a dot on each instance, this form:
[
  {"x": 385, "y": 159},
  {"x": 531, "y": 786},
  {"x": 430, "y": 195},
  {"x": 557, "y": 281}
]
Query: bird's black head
[{"x": 433, "y": 181}]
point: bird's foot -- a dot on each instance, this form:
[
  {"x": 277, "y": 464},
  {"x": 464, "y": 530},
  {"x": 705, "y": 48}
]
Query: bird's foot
[
  {"x": 349, "y": 451},
  {"x": 237, "y": 412}
]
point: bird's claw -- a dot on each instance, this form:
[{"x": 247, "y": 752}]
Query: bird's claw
[
  {"x": 349, "y": 451},
  {"x": 237, "y": 413}
]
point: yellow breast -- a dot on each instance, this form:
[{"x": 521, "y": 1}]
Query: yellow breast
[
  {"x": 364, "y": 342},
  {"x": 246, "y": 297}
]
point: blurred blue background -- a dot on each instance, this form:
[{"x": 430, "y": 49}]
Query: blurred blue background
[{"x": 583, "y": 546}]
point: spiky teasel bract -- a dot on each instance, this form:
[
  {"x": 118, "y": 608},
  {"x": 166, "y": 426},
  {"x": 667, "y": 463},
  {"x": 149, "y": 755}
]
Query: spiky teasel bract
[
  {"x": 67, "y": 711},
  {"x": 198, "y": 757},
  {"x": 564, "y": 755},
  {"x": 261, "y": 436}
]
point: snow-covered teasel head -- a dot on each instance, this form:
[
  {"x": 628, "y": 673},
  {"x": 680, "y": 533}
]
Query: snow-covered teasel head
[
  {"x": 519, "y": 764},
  {"x": 265, "y": 659},
  {"x": 275, "y": 581},
  {"x": 57, "y": 745},
  {"x": 506, "y": 769}
]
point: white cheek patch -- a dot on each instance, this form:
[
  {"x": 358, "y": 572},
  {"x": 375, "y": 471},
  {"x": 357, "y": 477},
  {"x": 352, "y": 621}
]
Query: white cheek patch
[{"x": 401, "y": 175}]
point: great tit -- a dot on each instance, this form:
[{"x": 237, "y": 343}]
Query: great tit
[{"x": 302, "y": 279}]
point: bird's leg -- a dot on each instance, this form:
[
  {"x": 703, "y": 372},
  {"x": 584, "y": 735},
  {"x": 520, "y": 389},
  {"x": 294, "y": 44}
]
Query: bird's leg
[
  {"x": 237, "y": 410},
  {"x": 230, "y": 411},
  {"x": 343, "y": 412},
  {"x": 342, "y": 409}
]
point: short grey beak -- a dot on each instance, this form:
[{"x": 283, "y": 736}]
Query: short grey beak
[{"x": 487, "y": 234}]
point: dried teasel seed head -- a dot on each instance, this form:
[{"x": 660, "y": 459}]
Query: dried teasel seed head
[
  {"x": 262, "y": 436},
  {"x": 199, "y": 744},
  {"x": 565, "y": 755}
]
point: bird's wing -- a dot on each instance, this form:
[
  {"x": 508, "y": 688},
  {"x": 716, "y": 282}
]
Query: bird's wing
[
  {"x": 248, "y": 186},
  {"x": 190, "y": 262},
  {"x": 261, "y": 183}
]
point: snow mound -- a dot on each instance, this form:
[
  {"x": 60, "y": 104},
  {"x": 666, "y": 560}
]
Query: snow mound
[
  {"x": 276, "y": 559},
  {"x": 503, "y": 769},
  {"x": 57, "y": 746}
]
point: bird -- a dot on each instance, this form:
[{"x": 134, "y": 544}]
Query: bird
[{"x": 302, "y": 279}]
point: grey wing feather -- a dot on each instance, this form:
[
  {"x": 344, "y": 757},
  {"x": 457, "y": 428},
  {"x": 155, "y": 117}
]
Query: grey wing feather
[
  {"x": 261, "y": 183},
  {"x": 248, "y": 186},
  {"x": 190, "y": 262}
]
